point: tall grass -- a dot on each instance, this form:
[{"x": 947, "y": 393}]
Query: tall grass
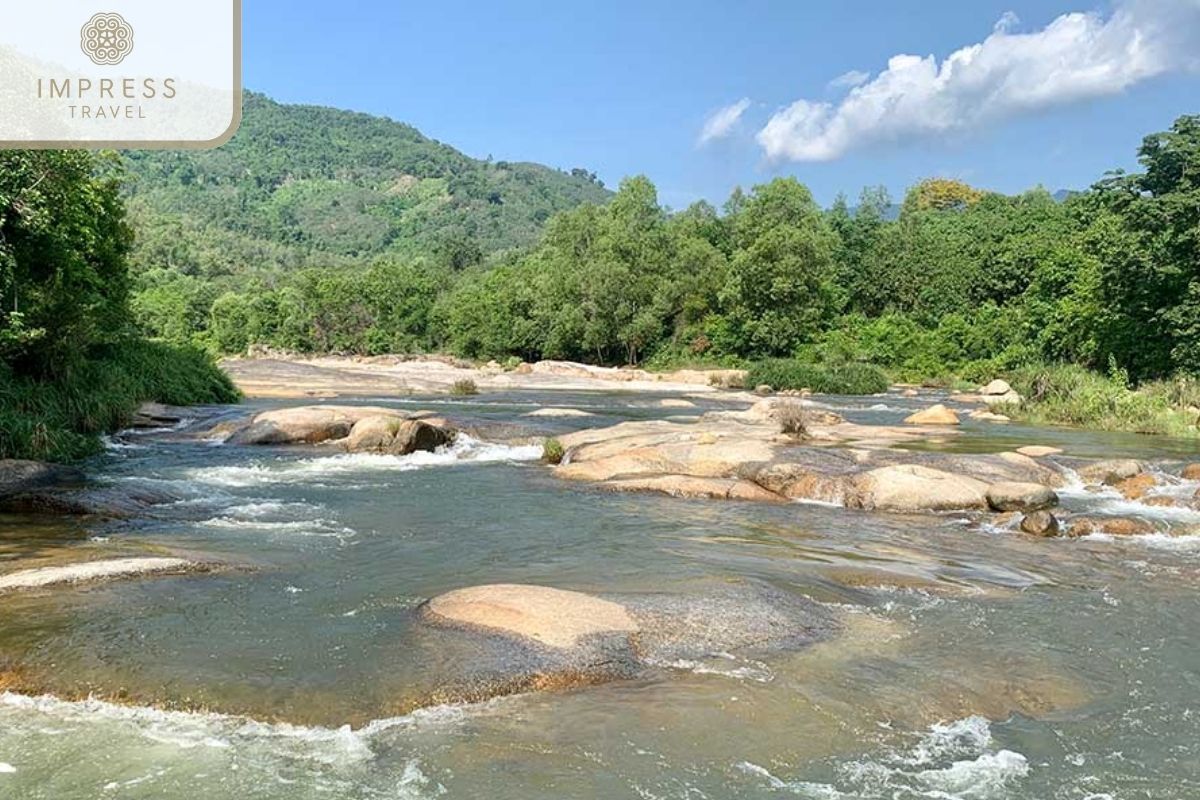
[
  {"x": 1072, "y": 395},
  {"x": 62, "y": 419},
  {"x": 851, "y": 378}
]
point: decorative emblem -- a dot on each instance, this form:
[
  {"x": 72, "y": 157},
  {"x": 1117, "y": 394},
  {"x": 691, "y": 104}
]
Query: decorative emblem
[{"x": 106, "y": 39}]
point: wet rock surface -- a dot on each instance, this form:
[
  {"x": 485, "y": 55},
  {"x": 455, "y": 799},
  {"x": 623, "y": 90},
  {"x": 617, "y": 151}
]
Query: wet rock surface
[{"x": 506, "y": 638}]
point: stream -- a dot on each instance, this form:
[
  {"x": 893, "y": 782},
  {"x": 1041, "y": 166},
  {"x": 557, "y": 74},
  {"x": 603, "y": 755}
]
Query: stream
[{"x": 990, "y": 665}]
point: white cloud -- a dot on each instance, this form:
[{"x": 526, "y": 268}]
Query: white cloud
[
  {"x": 848, "y": 80},
  {"x": 721, "y": 122},
  {"x": 1076, "y": 57}
]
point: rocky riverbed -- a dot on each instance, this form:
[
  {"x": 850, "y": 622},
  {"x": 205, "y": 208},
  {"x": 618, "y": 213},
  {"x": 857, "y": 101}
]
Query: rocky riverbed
[{"x": 740, "y": 594}]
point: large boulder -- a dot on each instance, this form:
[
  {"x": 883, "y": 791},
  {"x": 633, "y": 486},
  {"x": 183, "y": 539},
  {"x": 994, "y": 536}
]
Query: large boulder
[
  {"x": 1014, "y": 496},
  {"x": 18, "y": 476},
  {"x": 307, "y": 424},
  {"x": 1109, "y": 471},
  {"x": 393, "y": 436},
  {"x": 934, "y": 415},
  {"x": 505, "y": 638},
  {"x": 909, "y": 487},
  {"x": 111, "y": 502}
]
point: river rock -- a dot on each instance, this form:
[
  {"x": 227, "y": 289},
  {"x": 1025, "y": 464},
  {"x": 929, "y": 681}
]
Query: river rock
[
  {"x": 996, "y": 388},
  {"x": 91, "y": 571},
  {"x": 1040, "y": 523},
  {"x": 689, "y": 486},
  {"x": 1135, "y": 488},
  {"x": 395, "y": 436},
  {"x": 111, "y": 502},
  {"x": 1113, "y": 526},
  {"x": 1027, "y": 497},
  {"x": 156, "y": 415},
  {"x": 18, "y": 476},
  {"x": 1038, "y": 451},
  {"x": 934, "y": 415},
  {"x": 307, "y": 424},
  {"x": 504, "y": 638},
  {"x": 676, "y": 402},
  {"x": 989, "y": 416},
  {"x": 1191, "y": 472},
  {"x": 909, "y": 487},
  {"x": 1109, "y": 471},
  {"x": 552, "y": 617},
  {"x": 565, "y": 413}
]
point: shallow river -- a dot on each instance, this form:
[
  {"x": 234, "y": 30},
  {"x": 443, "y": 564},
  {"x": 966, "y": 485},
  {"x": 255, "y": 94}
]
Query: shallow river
[{"x": 996, "y": 666}]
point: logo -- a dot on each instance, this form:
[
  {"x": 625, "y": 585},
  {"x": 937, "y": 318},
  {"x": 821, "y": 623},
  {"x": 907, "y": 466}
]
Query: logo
[{"x": 106, "y": 39}]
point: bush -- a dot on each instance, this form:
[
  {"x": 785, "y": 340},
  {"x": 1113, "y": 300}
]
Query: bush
[
  {"x": 780, "y": 373},
  {"x": 1073, "y": 395},
  {"x": 62, "y": 420},
  {"x": 552, "y": 451},
  {"x": 464, "y": 388},
  {"x": 793, "y": 420}
]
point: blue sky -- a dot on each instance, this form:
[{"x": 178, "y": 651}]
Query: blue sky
[{"x": 624, "y": 87}]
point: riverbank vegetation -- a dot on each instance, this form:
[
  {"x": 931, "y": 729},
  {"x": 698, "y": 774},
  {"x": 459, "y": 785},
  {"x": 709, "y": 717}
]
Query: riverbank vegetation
[
  {"x": 954, "y": 283},
  {"x": 72, "y": 363}
]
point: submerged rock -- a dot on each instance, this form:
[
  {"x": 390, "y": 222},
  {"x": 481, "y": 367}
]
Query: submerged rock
[
  {"x": 1110, "y": 471},
  {"x": 504, "y": 638},
  {"x": 91, "y": 571},
  {"x": 101, "y": 501},
  {"x": 1012, "y": 496},
  {"x": 1135, "y": 488},
  {"x": 1038, "y": 451},
  {"x": 676, "y": 402},
  {"x": 18, "y": 476},
  {"x": 934, "y": 415},
  {"x": 1113, "y": 526}
]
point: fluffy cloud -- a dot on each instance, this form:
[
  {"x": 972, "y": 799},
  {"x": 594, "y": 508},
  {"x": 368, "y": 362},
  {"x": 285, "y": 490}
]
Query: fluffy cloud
[
  {"x": 1077, "y": 56},
  {"x": 721, "y": 122}
]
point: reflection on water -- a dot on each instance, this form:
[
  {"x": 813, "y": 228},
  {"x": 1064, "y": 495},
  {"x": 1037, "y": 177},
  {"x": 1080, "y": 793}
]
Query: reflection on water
[{"x": 973, "y": 663}]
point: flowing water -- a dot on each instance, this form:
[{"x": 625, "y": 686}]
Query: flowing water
[{"x": 992, "y": 666}]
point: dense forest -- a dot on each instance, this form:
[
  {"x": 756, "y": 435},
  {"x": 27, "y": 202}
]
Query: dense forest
[
  {"x": 959, "y": 282},
  {"x": 72, "y": 362}
]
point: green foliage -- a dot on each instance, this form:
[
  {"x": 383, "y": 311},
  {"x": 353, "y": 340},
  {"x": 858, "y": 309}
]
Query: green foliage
[
  {"x": 780, "y": 373},
  {"x": 61, "y": 419},
  {"x": 552, "y": 451},
  {"x": 1072, "y": 395},
  {"x": 309, "y": 186},
  {"x": 63, "y": 242}
]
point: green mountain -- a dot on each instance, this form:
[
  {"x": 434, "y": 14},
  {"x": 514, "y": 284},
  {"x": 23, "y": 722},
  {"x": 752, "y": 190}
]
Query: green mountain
[{"x": 312, "y": 186}]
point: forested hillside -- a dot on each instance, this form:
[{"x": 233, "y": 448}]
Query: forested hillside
[{"x": 305, "y": 185}]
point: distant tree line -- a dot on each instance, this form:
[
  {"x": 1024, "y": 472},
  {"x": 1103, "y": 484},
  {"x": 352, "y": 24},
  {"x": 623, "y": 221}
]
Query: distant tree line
[{"x": 961, "y": 281}]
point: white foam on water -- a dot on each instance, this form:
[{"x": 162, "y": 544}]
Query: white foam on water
[
  {"x": 950, "y": 761},
  {"x": 724, "y": 664},
  {"x": 1156, "y": 541},
  {"x": 5, "y": 767},
  {"x": 464, "y": 450}
]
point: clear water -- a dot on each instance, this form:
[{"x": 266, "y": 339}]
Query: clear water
[{"x": 1003, "y": 667}]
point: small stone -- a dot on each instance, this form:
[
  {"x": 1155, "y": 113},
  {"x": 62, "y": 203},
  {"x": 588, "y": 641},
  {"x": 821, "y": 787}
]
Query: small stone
[
  {"x": 763, "y": 389},
  {"x": 996, "y": 387},
  {"x": 1191, "y": 472},
  {"x": 1040, "y": 523},
  {"x": 934, "y": 415}
]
